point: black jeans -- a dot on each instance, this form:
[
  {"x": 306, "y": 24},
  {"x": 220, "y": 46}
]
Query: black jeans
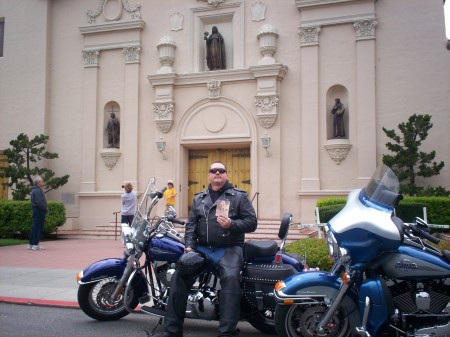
[{"x": 229, "y": 267}]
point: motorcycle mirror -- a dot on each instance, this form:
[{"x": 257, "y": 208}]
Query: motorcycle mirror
[{"x": 284, "y": 227}]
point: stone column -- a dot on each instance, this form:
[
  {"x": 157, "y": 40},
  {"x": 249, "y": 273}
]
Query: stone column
[
  {"x": 310, "y": 180},
  {"x": 90, "y": 83},
  {"x": 365, "y": 98},
  {"x": 130, "y": 114}
]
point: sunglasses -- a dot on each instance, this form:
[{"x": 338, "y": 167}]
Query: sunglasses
[{"x": 215, "y": 170}]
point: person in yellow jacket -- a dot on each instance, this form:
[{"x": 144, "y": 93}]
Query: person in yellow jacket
[{"x": 169, "y": 195}]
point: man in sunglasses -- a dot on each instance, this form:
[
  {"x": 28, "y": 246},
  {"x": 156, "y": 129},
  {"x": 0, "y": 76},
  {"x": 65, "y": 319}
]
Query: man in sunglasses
[{"x": 220, "y": 217}]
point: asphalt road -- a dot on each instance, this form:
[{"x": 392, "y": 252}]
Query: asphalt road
[{"x": 40, "y": 321}]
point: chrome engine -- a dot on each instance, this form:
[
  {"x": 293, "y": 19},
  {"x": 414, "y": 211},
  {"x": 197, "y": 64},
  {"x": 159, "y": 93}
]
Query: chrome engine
[
  {"x": 422, "y": 309},
  {"x": 203, "y": 304}
]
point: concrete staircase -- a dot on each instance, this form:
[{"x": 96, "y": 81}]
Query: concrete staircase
[{"x": 267, "y": 229}]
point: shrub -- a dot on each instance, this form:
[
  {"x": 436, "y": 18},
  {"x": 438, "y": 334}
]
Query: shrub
[
  {"x": 315, "y": 250},
  {"x": 16, "y": 218}
]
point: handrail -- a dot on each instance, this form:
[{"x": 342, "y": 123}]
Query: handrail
[
  {"x": 115, "y": 229},
  {"x": 256, "y": 195}
]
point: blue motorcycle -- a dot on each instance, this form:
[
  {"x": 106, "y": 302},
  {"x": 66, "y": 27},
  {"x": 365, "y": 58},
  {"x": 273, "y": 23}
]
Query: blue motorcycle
[
  {"x": 112, "y": 288},
  {"x": 386, "y": 280}
]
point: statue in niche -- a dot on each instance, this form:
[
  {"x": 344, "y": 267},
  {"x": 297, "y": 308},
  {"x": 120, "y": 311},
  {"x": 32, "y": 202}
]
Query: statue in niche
[
  {"x": 215, "y": 50},
  {"x": 338, "y": 111},
  {"x": 113, "y": 129}
]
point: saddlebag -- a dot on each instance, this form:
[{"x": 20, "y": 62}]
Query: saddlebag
[{"x": 259, "y": 281}]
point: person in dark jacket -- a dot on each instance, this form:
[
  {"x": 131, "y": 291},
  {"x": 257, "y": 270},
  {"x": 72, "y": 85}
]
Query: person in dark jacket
[
  {"x": 39, "y": 208},
  {"x": 220, "y": 217}
]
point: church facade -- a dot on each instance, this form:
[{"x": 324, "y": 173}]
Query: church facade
[{"x": 295, "y": 110}]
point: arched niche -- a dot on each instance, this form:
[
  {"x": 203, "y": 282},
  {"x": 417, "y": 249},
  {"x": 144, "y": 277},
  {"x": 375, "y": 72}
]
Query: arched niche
[
  {"x": 113, "y": 142},
  {"x": 337, "y": 92}
]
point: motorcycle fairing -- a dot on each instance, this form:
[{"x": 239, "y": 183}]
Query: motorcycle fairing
[
  {"x": 380, "y": 305},
  {"x": 363, "y": 230}
]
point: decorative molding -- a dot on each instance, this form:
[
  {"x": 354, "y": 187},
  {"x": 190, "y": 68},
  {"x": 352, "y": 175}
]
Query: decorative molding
[
  {"x": 365, "y": 29},
  {"x": 309, "y": 35},
  {"x": 132, "y": 54},
  {"x": 258, "y": 10},
  {"x": 164, "y": 115},
  {"x": 316, "y": 3},
  {"x": 110, "y": 157},
  {"x": 214, "y": 89},
  {"x": 135, "y": 11},
  {"x": 90, "y": 58},
  {"x": 266, "y": 110},
  {"x": 112, "y": 26},
  {"x": 338, "y": 149},
  {"x": 176, "y": 21}
]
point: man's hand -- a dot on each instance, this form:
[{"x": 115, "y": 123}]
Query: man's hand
[
  {"x": 187, "y": 249},
  {"x": 224, "y": 221}
]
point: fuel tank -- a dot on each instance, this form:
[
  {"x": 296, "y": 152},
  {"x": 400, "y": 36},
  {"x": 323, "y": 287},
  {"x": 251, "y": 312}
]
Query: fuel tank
[
  {"x": 409, "y": 262},
  {"x": 165, "y": 249}
]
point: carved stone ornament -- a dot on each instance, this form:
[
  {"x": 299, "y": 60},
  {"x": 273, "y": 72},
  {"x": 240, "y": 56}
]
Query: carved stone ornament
[
  {"x": 163, "y": 115},
  {"x": 338, "y": 149},
  {"x": 266, "y": 110},
  {"x": 166, "y": 50},
  {"x": 365, "y": 29},
  {"x": 214, "y": 89},
  {"x": 215, "y": 3},
  {"x": 117, "y": 6},
  {"x": 176, "y": 21},
  {"x": 110, "y": 157},
  {"x": 90, "y": 58},
  {"x": 267, "y": 37},
  {"x": 258, "y": 10},
  {"x": 132, "y": 54},
  {"x": 309, "y": 35}
]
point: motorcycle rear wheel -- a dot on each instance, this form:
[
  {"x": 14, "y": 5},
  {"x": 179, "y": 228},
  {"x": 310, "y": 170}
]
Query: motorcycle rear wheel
[
  {"x": 93, "y": 299},
  {"x": 302, "y": 320}
]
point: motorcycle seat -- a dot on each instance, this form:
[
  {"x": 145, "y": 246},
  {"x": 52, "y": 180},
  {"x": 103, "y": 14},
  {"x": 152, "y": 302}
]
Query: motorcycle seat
[{"x": 259, "y": 248}]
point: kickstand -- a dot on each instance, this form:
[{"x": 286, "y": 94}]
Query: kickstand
[{"x": 154, "y": 329}]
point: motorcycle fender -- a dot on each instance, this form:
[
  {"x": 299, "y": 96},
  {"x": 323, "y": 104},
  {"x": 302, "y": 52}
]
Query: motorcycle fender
[
  {"x": 380, "y": 306},
  {"x": 308, "y": 285},
  {"x": 103, "y": 269}
]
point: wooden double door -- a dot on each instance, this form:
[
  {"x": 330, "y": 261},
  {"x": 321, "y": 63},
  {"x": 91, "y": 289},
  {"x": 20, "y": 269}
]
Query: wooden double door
[{"x": 237, "y": 162}]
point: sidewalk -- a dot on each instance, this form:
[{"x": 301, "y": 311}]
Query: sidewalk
[{"x": 47, "y": 277}]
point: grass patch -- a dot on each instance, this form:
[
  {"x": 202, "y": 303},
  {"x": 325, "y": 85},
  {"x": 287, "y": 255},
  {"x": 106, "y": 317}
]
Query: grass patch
[{"x": 12, "y": 242}]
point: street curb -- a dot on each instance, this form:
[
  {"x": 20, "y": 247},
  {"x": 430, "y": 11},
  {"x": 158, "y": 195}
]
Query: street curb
[{"x": 37, "y": 302}]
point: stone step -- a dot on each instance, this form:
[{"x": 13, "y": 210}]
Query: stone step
[{"x": 267, "y": 230}]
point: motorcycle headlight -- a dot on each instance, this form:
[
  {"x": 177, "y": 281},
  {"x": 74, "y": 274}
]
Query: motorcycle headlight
[{"x": 332, "y": 244}]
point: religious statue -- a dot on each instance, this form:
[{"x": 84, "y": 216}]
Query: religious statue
[
  {"x": 113, "y": 129},
  {"x": 338, "y": 122},
  {"x": 215, "y": 50}
]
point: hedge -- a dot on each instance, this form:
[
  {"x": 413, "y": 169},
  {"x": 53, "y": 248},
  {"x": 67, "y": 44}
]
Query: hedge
[
  {"x": 315, "y": 250},
  {"x": 16, "y": 218},
  {"x": 438, "y": 209}
]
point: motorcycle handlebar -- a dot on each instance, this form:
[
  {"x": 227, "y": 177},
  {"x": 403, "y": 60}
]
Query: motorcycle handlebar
[
  {"x": 180, "y": 222},
  {"x": 159, "y": 193},
  {"x": 425, "y": 235}
]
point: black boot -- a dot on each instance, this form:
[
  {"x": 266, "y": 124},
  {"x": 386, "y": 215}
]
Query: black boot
[{"x": 168, "y": 334}]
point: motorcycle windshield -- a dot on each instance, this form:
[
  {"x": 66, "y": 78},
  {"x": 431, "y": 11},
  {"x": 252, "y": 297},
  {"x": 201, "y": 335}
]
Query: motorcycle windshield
[{"x": 383, "y": 188}]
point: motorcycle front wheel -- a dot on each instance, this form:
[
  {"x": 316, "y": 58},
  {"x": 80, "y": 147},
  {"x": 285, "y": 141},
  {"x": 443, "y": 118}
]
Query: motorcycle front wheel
[
  {"x": 302, "y": 321},
  {"x": 93, "y": 299}
]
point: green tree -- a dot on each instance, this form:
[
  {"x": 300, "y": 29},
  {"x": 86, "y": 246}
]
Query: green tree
[
  {"x": 23, "y": 157},
  {"x": 408, "y": 162}
]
